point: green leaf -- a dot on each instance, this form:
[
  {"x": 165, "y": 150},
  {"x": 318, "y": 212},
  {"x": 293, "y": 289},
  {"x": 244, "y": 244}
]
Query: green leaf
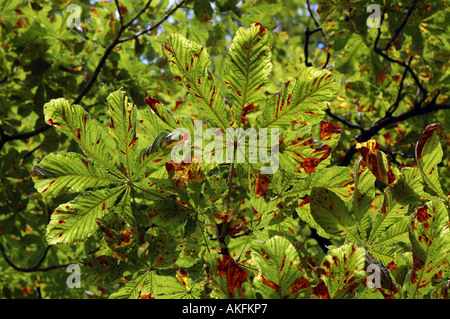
[
  {"x": 247, "y": 69},
  {"x": 190, "y": 60},
  {"x": 330, "y": 212},
  {"x": 362, "y": 197},
  {"x": 428, "y": 156},
  {"x": 430, "y": 240},
  {"x": 391, "y": 212},
  {"x": 162, "y": 248},
  {"x": 179, "y": 287},
  {"x": 336, "y": 179},
  {"x": 77, "y": 124},
  {"x": 101, "y": 269},
  {"x": 162, "y": 119},
  {"x": 76, "y": 220},
  {"x": 279, "y": 269},
  {"x": 123, "y": 129},
  {"x": 341, "y": 272},
  {"x": 301, "y": 101},
  {"x": 71, "y": 173},
  {"x": 301, "y": 153},
  {"x": 133, "y": 289}
]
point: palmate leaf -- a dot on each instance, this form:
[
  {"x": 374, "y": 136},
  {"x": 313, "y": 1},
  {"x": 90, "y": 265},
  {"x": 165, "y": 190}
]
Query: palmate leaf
[
  {"x": 247, "y": 69},
  {"x": 190, "y": 61},
  {"x": 341, "y": 272},
  {"x": 391, "y": 212},
  {"x": 335, "y": 179},
  {"x": 279, "y": 270},
  {"x": 70, "y": 172},
  {"x": 428, "y": 156},
  {"x": 301, "y": 101},
  {"x": 389, "y": 226},
  {"x": 103, "y": 187},
  {"x": 118, "y": 235},
  {"x": 151, "y": 285},
  {"x": 430, "y": 240}
]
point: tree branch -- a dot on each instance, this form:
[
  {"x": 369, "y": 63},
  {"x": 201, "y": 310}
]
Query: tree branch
[
  {"x": 309, "y": 33},
  {"x": 34, "y": 268},
  {"x": 120, "y": 11},
  {"x": 407, "y": 66},
  {"x": 4, "y": 138},
  {"x": 394, "y": 107},
  {"x": 344, "y": 121},
  {"x": 385, "y": 121},
  {"x": 418, "y": 110},
  {"x": 154, "y": 26}
]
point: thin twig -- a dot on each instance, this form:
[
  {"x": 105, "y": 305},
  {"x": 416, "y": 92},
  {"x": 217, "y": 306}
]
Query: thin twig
[
  {"x": 4, "y": 138},
  {"x": 394, "y": 107},
  {"x": 381, "y": 52},
  {"x": 309, "y": 33},
  {"x": 120, "y": 11},
  {"x": 32, "y": 269},
  {"x": 385, "y": 121},
  {"x": 344, "y": 121},
  {"x": 154, "y": 26}
]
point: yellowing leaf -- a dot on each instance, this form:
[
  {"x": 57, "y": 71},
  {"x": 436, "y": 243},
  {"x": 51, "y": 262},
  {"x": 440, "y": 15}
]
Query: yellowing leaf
[{"x": 376, "y": 161}]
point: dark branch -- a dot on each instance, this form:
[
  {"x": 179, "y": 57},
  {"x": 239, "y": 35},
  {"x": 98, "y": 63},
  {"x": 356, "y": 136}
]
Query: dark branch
[
  {"x": 418, "y": 109},
  {"x": 401, "y": 26},
  {"x": 34, "y": 268},
  {"x": 344, "y": 121},
  {"x": 4, "y": 138},
  {"x": 387, "y": 120},
  {"x": 309, "y": 33},
  {"x": 407, "y": 66},
  {"x": 394, "y": 107},
  {"x": 120, "y": 11},
  {"x": 154, "y": 26}
]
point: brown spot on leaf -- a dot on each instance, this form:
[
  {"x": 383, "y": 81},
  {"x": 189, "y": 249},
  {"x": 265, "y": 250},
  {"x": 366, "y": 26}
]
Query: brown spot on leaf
[
  {"x": 327, "y": 129},
  {"x": 85, "y": 163},
  {"x": 422, "y": 214},
  {"x": 152, "y": 103},
  {"x": 234, "y": 87},
  {"x": 235, "y": 274},
  {"x": 245, "y": 111},
  {"x": 262, "y": 185},
  {"x": 321, "y": 290},
  {"x": 125, "y": 237},
  {"x": 426, "y": 135},
  {"x": 262, "y": 30},
  {"x": 307, "y": 200},
  {"x": 299, "y": 284},
  {"x": 133, "y": 141},
  {"x": 391, "y": 266},
  {"x": 51, "y": 122}
]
